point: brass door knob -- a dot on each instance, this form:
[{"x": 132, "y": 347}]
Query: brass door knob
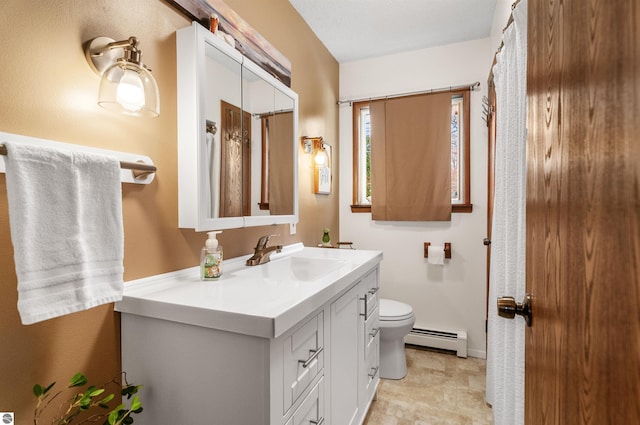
[{"x": 509, "y": 308}]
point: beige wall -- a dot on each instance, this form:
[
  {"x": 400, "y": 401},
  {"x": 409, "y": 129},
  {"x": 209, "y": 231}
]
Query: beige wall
[{"x": 47, "y": 90}]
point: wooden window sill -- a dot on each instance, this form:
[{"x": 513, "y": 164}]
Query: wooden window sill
[
  {"x": 462, "y": 208},
  {"x": 456, "y": 208}
]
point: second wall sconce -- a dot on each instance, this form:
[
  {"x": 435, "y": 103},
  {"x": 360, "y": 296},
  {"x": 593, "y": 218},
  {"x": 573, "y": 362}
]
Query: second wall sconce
[
  {"x": 316, "y": 146},
  {"x": 127, "y": 85}
]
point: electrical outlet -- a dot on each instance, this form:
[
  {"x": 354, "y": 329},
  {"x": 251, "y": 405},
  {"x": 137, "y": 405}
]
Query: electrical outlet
[
  {"x": 292, "y": 228},
  {"x": 7, "y": 418}
]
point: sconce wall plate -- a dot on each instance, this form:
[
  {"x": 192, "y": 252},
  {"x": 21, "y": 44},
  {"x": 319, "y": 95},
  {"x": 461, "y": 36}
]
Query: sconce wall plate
[
  {"x": 126, "y": 85},
  {"x": 100, "y": 58},
  {"x": 310, "y": 144}
]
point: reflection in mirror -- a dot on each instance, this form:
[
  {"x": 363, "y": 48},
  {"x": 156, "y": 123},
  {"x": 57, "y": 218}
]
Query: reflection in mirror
[
  {"x": 236, "y": 136},
  {"x": 277, "y": 181},
  {"x": 251, "y": 160},
  {"x": 272, "y": 146},
  {"x": 235, "y": 161},
  {"x": 223, "y": 84}
]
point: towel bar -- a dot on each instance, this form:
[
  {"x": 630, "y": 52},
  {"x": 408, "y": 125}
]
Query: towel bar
[{"x": 139, "y": 169}]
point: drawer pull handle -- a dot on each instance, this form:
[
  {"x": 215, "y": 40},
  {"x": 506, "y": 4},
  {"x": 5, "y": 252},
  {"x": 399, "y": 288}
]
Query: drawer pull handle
[
  {"x": 374, "y": 332},
  {"x": 318, "y": 422},
  {"x": 312, "y": 357},
  {"x": 372, "y": 291},
  {"x": 366, "y": 312},
  {"x": 374, "y": 371}
]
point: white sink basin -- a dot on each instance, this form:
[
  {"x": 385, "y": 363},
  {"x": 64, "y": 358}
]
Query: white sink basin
[{"x": 288, "y": 269}]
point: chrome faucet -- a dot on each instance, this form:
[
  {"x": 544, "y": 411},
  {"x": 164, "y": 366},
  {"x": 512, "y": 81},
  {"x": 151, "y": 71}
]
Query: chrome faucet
[{"x": 262, "y": 252}]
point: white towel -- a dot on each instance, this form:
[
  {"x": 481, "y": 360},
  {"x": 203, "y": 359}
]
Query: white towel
[{"x": 65, "y": 213}]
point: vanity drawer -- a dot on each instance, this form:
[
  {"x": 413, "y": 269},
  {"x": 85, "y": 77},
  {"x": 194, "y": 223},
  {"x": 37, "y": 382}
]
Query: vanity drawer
[
  {"x": 369, "y": 285},
  {"x": 311, "y": 411},
  {"x": 372, "y": 361},
  {"x": 303, "y": 359},
  {"x": 371, "y": 332}
]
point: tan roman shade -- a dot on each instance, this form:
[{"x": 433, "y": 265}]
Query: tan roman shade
[
  {"x": 411, "y": 158},
  {"x": 281, "y": 164}
]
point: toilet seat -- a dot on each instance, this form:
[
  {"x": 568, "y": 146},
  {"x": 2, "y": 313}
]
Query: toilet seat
[{"x": 392, "y": 311}]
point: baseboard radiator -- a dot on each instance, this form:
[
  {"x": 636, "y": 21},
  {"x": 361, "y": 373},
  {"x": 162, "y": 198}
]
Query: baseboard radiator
[{"x": 444, "y": 340}]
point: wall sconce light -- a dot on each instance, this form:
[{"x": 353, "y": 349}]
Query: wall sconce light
[
  {"x": 127, "y": 85},
  {"x": 315, "y": 145}
]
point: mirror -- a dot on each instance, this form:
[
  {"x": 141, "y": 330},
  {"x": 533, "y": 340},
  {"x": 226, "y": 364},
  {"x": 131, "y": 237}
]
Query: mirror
[{"x": 238, "y": 149}]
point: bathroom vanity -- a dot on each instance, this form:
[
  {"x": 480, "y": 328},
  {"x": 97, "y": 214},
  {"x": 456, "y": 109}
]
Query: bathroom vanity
[{"x": 294, "y": 341}]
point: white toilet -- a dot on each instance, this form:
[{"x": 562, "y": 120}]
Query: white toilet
[{"x": 396, "y": 320}]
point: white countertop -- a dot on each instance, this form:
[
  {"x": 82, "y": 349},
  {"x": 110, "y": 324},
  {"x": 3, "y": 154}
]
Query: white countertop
[{"x": 264, "y": 300}]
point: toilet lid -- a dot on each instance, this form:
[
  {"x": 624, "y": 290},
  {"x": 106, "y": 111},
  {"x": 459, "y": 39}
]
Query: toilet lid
[{"x": 394, "y": 310}]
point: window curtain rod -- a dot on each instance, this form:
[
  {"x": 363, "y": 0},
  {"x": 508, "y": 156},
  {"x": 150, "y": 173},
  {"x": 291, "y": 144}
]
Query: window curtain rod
[{"x": 472, "y": 87}]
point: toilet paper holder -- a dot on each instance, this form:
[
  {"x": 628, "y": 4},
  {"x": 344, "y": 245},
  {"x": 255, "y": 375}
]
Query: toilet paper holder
[{"x": 447, "y": 249}]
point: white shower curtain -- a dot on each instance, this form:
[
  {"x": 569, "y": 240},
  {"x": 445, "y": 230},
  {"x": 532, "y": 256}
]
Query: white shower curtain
[{"x": 505, "y": 347}]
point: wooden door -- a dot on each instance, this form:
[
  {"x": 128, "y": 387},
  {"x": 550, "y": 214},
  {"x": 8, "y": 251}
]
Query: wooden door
[
  {"x": 235, "y": 161},
  {"x": 583, "y": 213}
]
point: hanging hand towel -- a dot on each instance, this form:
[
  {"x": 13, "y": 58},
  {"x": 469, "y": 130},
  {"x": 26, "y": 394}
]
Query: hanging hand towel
[{"x": 65, "y": 213}]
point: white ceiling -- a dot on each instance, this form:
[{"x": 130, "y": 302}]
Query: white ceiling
[{"x": 359, "y": 29}]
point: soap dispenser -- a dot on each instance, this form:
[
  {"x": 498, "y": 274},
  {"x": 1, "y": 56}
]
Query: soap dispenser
[{"x": 211, "y": 258}]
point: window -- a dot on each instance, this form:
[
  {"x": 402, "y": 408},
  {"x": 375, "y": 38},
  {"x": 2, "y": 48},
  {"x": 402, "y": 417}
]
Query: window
[{"x": 460, "y": 161}]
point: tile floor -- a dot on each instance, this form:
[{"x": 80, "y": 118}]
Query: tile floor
[{"x": 439, "y": 389}]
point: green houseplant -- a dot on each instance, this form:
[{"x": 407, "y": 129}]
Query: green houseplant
[{"x": 83, "y": 401}]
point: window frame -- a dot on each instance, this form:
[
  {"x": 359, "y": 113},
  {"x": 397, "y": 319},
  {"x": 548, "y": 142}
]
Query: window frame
[{"x": 461, "y": 207}]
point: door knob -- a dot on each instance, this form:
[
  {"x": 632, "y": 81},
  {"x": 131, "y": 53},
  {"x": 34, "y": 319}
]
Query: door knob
[
  {"x": 508, "y": 308},
  {"x": 486, "y": 241}
]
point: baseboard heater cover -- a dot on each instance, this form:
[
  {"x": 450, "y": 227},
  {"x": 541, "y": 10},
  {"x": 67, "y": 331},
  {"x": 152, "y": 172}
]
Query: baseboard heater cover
[{"x": 444, "y": 340}]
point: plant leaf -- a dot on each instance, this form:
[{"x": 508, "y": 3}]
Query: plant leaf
[
  {"x": 38, "y": 390},
  {"x": 85, "y": 400},
  {"x": 49, "y": 387},
  {"x": 135, "y": 403},
  {"x": 97, "y": 392},
  {"x": 107, "y": 399},
  {"x": 77, "y": 380},
  {"x": 119, "y": 408},
  {"x": 113, "y": 416}
]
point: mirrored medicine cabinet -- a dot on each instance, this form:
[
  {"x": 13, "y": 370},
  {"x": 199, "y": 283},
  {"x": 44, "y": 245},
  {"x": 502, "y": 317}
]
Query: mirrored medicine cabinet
[{"x": 237, "y": 128}]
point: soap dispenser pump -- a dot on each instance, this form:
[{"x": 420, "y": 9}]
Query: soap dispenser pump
[{"x": 211, "y": 258}]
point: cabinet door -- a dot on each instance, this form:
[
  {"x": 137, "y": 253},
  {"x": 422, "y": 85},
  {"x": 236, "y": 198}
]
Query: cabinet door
[{"x": 345, "y": 321}]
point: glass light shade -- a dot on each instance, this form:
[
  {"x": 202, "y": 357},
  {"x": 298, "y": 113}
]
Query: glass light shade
[
  {"x": 130, "y": 89},
  {"x": 321, "y": 157}
]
